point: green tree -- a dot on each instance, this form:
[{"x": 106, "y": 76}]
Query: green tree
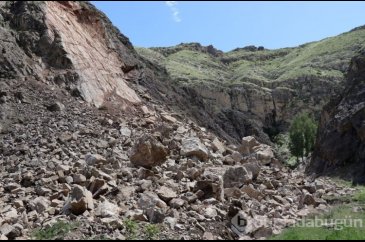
[{"x": 302, "y": 135}]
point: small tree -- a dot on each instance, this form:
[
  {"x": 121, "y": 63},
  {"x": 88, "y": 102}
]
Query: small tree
[{"x": 302, "y": 135}]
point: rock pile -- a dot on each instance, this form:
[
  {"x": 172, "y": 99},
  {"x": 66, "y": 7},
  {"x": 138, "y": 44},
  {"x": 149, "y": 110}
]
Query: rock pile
[{"x": 98, "y": 169}]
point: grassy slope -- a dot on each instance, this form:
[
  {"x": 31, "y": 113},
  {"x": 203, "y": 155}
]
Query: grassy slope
[{"x": 327, "y": 59}]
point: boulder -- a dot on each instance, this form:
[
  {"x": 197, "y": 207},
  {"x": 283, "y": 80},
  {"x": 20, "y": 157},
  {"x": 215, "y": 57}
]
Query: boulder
[
  {"x": 148, "y": 152},
  {"x": 94, "y": 159},
  {"x": 150, "y": 200},
  {"x": 107, "y": 209},
  {"x": 265, "y": 154},
  {"x": 79, "y": 201},
  {"x": 166, "y": 194},
  {"x": 56, "y": 107},
  {"x": 98, "y": 187},
  {"x": 248, "y": 143},
  {"x": 11, "y": 231},
  {"x": 236, "y": 176},
  {"x": 254, "y": 168},
  {"x": 192, "y": 147},
  {"x": 155, "y": 215},
  {"x": 176, "y": 203},
  {"x": 125, "y": 132},
  {"x": 210, "y": 189},
  {"x": 233, "y": 192},
  {"x": 252, "y": 192},
  {"x": 218, "y": 146},
  {"x": 41, "y": 204}
]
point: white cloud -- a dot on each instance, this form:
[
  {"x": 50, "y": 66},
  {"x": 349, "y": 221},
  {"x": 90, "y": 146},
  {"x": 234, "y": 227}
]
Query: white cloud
[{"x": 175, "y": 11}]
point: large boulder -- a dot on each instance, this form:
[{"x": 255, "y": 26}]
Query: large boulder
[
  {"x": 193, "y": 147},
  {"x": 236, "y": 177},
  {"x": 79, "y": 201},
  {"x": 248, "y": 143},
  {"x": 264, "y": 154},
  {"x": 211, "y": 185},
  {"x": 148, "y": 152},
  {"x": 218, "y": 146},
  {"x": 166, "y": 194}
]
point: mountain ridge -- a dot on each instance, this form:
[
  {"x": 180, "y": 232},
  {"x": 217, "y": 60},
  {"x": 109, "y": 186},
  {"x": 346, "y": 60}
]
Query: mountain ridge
[{"x": 271, "y": 85}]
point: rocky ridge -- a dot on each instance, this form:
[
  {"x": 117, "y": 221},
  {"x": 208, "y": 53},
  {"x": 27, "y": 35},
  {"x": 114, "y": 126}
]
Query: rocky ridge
[{"x": 340, "y": 143}]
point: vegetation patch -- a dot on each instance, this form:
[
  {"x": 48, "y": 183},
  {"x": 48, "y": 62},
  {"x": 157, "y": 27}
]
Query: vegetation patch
[
  {"x": 56, "y": 231},
  {"x": 343, "y": 222}
]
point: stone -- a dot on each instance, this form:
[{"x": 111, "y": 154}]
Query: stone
[
  {"x": 79, "y": 179},
  {"x": 211, "y": 188},
  {"x": 148, "y": 152},
  {"x": 56, "y": 107},
  {"x": 112, "y": 222},
  {"x": 41, "y": 204},
  {"x": 228, "y": 160},
  {"x": 107, "y": 209},
  {"x": 125, "y": 132},
  {"x": 192, "y": 147},
  {"x": 233, "y": 192},
  {"x": 253, "y": 168},
  {"x": 10, "y": 214},
  {"x": 11, "y": 186},
  {"x": 98, "y": 187},
  {"x": 210, "y": 212},
  {"x": 168, "y": 118},
  {"x": 171, "y": 222},
  {"x": 265, "y": 154},
  {"x": 166, "y": 194},
  {"x": 94, "y": 159},
  {"x": 137, "y": 215},
  {"x": 56, "y": 203},
  {"x": 309, "y": 200},
  {"x": 155, "y": 215},
  {"x": 208, "y": 236},
  {"x": 218, "y": 146},
  {"x": 3, "y": 237},
  {"x": 236, "y": 176},
  {"x": 18, "y": 203},
  {"x": 248, "y": 143},
  {"x": 252, "y": 193},
  {"x": 11, "y": 231},
  {"x": 176, "y": 203},
  {"x": 236, "y": 156},
  {"x": 257, "y": 223},
  {"x": 150, "y": 200},
  {"x": 79, "y": 201}
]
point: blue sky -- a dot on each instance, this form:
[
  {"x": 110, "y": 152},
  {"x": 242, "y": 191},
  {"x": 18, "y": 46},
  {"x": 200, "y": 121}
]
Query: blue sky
[{"x": 228, "y": 25}]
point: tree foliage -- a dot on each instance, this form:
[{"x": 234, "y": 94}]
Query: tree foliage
[{"x": 302, "y": 135}]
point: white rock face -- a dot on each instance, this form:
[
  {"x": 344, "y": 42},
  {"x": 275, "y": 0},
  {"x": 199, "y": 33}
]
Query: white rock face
[{"x": 99, "y": 69}]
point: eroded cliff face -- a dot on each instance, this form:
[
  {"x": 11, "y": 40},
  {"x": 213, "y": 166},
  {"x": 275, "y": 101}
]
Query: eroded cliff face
[
  {"x": 70, "y": 44},
  {"x": 340, "y": 147}
]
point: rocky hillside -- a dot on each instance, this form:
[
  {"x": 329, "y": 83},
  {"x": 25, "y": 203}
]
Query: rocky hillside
[
  {"x": 86, "y": 137},
  {"x": 341, "y": 139},
  {"x": 250, "y": 89}
]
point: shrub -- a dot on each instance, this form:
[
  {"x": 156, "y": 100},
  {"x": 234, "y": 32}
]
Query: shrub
[
  {"x": 57, "y": 230},
  {"x": 131, "y": 229},
  {"x": 152, "y": 231}
]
